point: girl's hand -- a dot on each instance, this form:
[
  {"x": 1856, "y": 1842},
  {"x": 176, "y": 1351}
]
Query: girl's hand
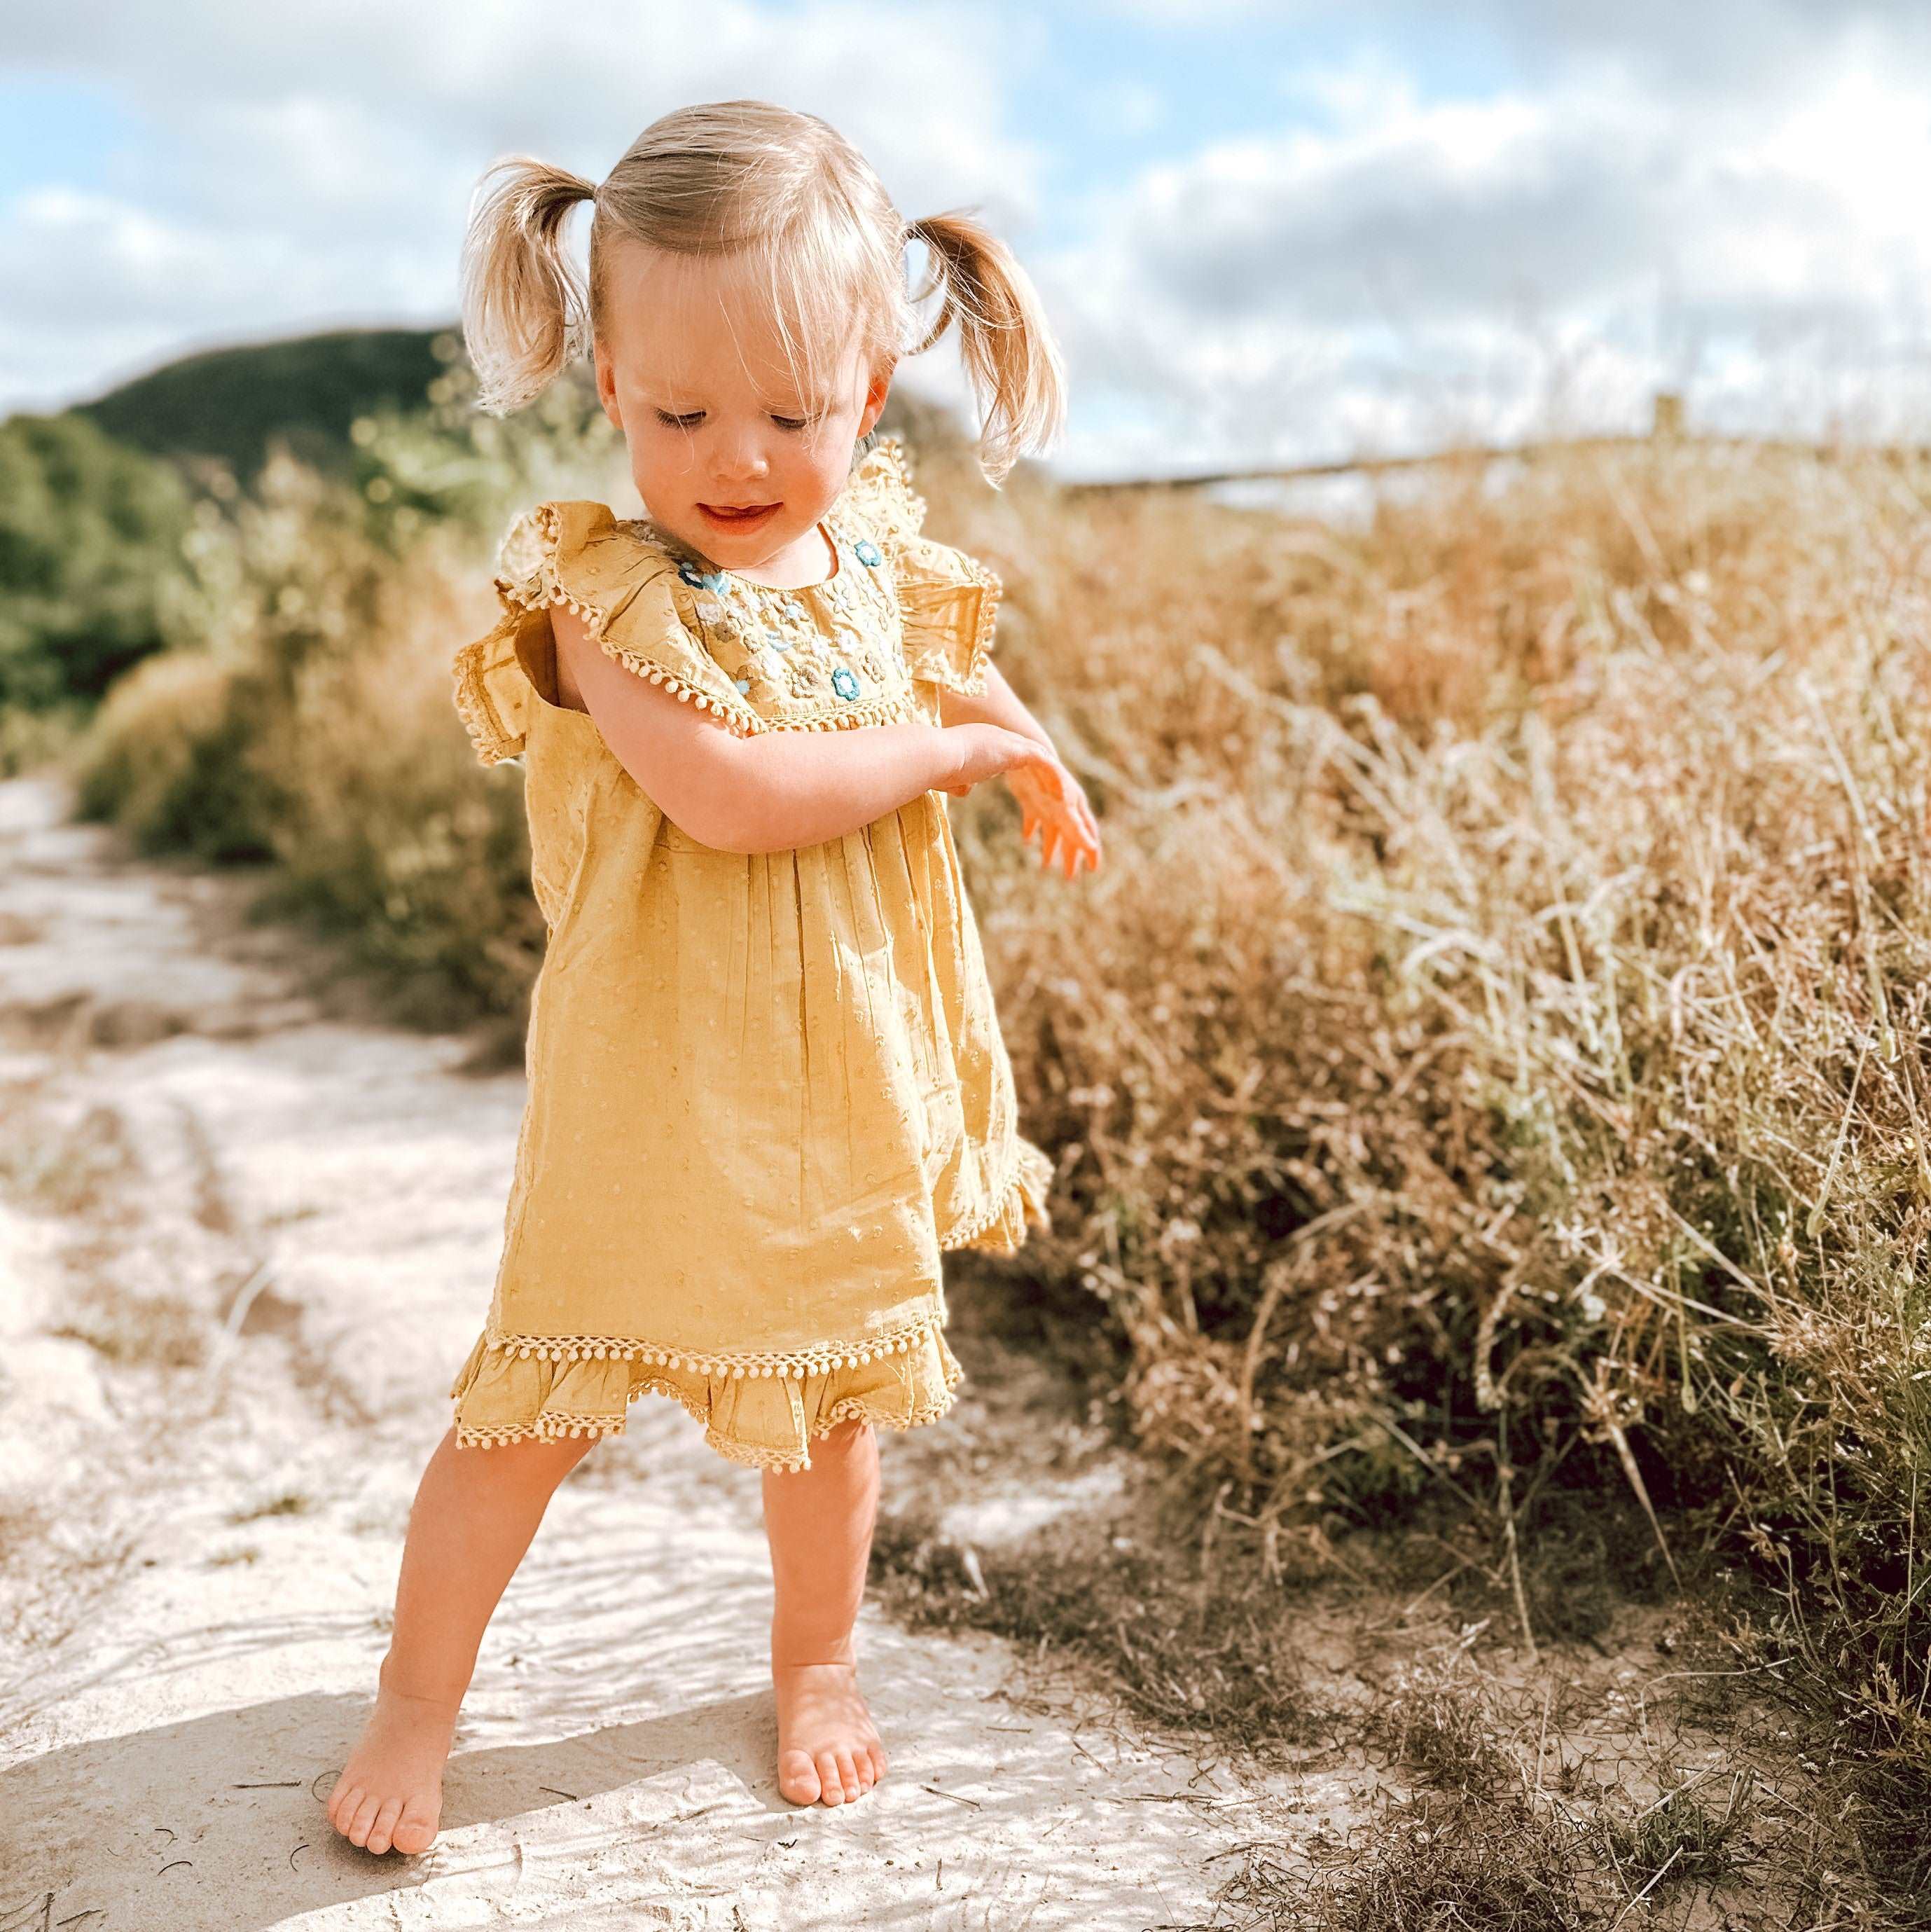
[
  {"x": 1051, "y": 802},
  {"x": 979, "y": 752},
  {"x": 1050, "y": 797}
]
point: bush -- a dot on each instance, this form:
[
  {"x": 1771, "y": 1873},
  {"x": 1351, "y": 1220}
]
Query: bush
[{"x": 90, "y": 538}]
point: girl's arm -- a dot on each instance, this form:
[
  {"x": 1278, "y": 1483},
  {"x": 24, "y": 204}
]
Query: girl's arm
[
  {"x": 1052, "y": 803},
  {"x": 771, "y": 791},
  {"x": 998, "y": 705}
]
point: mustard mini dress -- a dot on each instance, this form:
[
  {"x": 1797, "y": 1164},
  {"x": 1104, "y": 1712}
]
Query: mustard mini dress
[{"x": 767, "y": 1090}]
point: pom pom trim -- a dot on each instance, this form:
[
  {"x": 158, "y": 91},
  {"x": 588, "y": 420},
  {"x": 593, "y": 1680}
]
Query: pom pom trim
[
  {"x": 553, "y": 1424},
  {"x": 813, "y": 1360},
  {"x": 493, "y": 742},
  {"x": 545, "y": 588}
]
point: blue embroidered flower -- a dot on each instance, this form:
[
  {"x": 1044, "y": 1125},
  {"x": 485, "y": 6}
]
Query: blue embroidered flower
[
  {"x": 844, "y": 683},
  {"x": 777, "y": 641},
  {"x": 744, "y": 684},
  {"x": 697, "y": 581},
  {"x": 866, "y": 551}
]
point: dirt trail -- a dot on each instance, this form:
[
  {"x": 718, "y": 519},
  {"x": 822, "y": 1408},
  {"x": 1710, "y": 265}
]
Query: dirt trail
[{"x": 244, "y": 1241}]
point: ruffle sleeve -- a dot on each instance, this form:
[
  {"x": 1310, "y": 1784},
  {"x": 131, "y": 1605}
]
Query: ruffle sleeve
[
  {"x": 948, "y": 599},
  {"x": 493, "y": 694},
  {"x": 621, "y": 584}
]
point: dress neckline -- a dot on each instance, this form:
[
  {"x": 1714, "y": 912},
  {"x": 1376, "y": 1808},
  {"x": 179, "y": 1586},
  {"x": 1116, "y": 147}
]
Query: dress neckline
[
  {"x": 831, "y": 524},
  {"x": 823, "y": 528}
]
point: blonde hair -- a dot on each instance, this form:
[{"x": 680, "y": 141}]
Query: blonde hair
[{"x": 785, "y": 194}]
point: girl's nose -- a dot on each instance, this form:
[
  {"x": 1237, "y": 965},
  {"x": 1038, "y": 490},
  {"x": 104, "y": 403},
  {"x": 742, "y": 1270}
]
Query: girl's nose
[{"x": 740, "y": 455}]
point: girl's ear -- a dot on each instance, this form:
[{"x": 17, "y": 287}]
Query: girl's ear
[
  {"x": 607, "y": 385},
  {"x": 874, "y": 400}
]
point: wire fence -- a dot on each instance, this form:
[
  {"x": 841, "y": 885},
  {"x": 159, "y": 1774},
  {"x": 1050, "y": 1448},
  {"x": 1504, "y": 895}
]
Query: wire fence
[{"x": 1667, "y": 425}]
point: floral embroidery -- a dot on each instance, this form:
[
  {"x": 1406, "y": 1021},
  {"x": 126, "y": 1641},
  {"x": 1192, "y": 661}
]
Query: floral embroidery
[{"x": 843, "y": 656}]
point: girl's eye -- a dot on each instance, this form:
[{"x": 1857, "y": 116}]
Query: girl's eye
[{"x": 692, "y": 421}]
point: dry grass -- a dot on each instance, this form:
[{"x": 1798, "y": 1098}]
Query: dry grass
[
  {"x": 311, "y": 731},
  {"x": 1217, "y": 1661},
  {"x": 283, "y": 1502},
  {"x": 1491, "y": 1064},
  {"x": 1531, "y": 895}
]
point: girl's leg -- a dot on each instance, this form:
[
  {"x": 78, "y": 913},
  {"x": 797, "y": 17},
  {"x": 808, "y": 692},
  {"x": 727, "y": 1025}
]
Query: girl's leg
[
  {"x": 819, "y": 1522},
  {"x": 474, "y": 1512}
]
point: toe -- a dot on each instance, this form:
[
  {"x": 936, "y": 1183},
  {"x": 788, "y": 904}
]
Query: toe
[
  {"x": 416, "y": 1830},
  {"x": 364, "y": 1820},
  {"x": 381, "y": 1833},
  {"x": 342, "y": 1803},
  {"x": 798, "y": 1777},
  {"x": 848, "y": 1775},
  {"x": 828, "y": 1776}
]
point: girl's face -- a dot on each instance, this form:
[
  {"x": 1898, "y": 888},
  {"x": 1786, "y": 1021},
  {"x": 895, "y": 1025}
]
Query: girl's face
[{"x": 694, "y": 374}]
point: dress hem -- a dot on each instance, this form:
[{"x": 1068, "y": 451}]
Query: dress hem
[
  {"x": 1001, "y": 1228},
  {"x": 1021, "y": 1201},
  {"x": 929, "y": 1377},
  {"x": 928, "y": 1380},
  {"x": 564, "y": 1425}
]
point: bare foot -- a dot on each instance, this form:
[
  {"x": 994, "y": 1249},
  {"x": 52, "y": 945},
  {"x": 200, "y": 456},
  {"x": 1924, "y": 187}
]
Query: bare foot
[
  {"x": 390, "y": 1792},
  {"x": 827, "y": 1748}
]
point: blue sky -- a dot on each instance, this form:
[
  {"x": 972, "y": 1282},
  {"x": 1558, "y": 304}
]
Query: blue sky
[
  {"x": 56, "y": 128},
  {"x": 1149, "y": 92},
  {"x": 1266, "y": 230}
]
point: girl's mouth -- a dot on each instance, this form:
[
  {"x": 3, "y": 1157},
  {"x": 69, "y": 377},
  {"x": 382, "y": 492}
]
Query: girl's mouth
[{"x": 737, "y": 520}]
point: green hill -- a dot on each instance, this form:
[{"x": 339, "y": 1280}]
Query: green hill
[{"x": 306, "y": 390}]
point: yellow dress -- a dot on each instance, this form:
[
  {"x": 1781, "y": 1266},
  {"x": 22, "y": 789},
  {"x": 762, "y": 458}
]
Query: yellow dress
[{"x": 766, "y": 1089}]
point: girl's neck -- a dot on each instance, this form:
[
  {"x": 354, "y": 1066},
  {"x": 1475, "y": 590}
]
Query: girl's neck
[{"x": 788, "y": 571}]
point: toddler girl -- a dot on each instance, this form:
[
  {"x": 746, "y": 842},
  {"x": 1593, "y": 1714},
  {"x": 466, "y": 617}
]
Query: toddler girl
[{"x": 767, "y": 1088}]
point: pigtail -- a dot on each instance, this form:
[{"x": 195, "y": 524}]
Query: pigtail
[
  {"x": 525, "y": 311},
  {"x": 1005, "y": 341}
]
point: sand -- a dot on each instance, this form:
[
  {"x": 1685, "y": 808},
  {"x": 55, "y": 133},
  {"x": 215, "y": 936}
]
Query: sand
[{"x": 245, "y": 1243}]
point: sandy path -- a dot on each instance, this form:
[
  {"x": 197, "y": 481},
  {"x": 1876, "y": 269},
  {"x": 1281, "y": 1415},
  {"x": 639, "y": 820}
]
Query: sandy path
[{"x": 268, "y": 1233}]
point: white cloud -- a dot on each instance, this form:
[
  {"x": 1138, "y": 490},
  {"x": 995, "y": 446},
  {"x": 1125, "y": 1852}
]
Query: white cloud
[
  {"x": 1723, "y": 195},
  {"x": 306, "y": 168},
  {"x": 1545, "y": 256}
]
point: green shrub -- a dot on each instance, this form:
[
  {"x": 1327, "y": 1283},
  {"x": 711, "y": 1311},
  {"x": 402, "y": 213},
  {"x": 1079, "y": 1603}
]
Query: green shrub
[{"x": 90, "y": 538}]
